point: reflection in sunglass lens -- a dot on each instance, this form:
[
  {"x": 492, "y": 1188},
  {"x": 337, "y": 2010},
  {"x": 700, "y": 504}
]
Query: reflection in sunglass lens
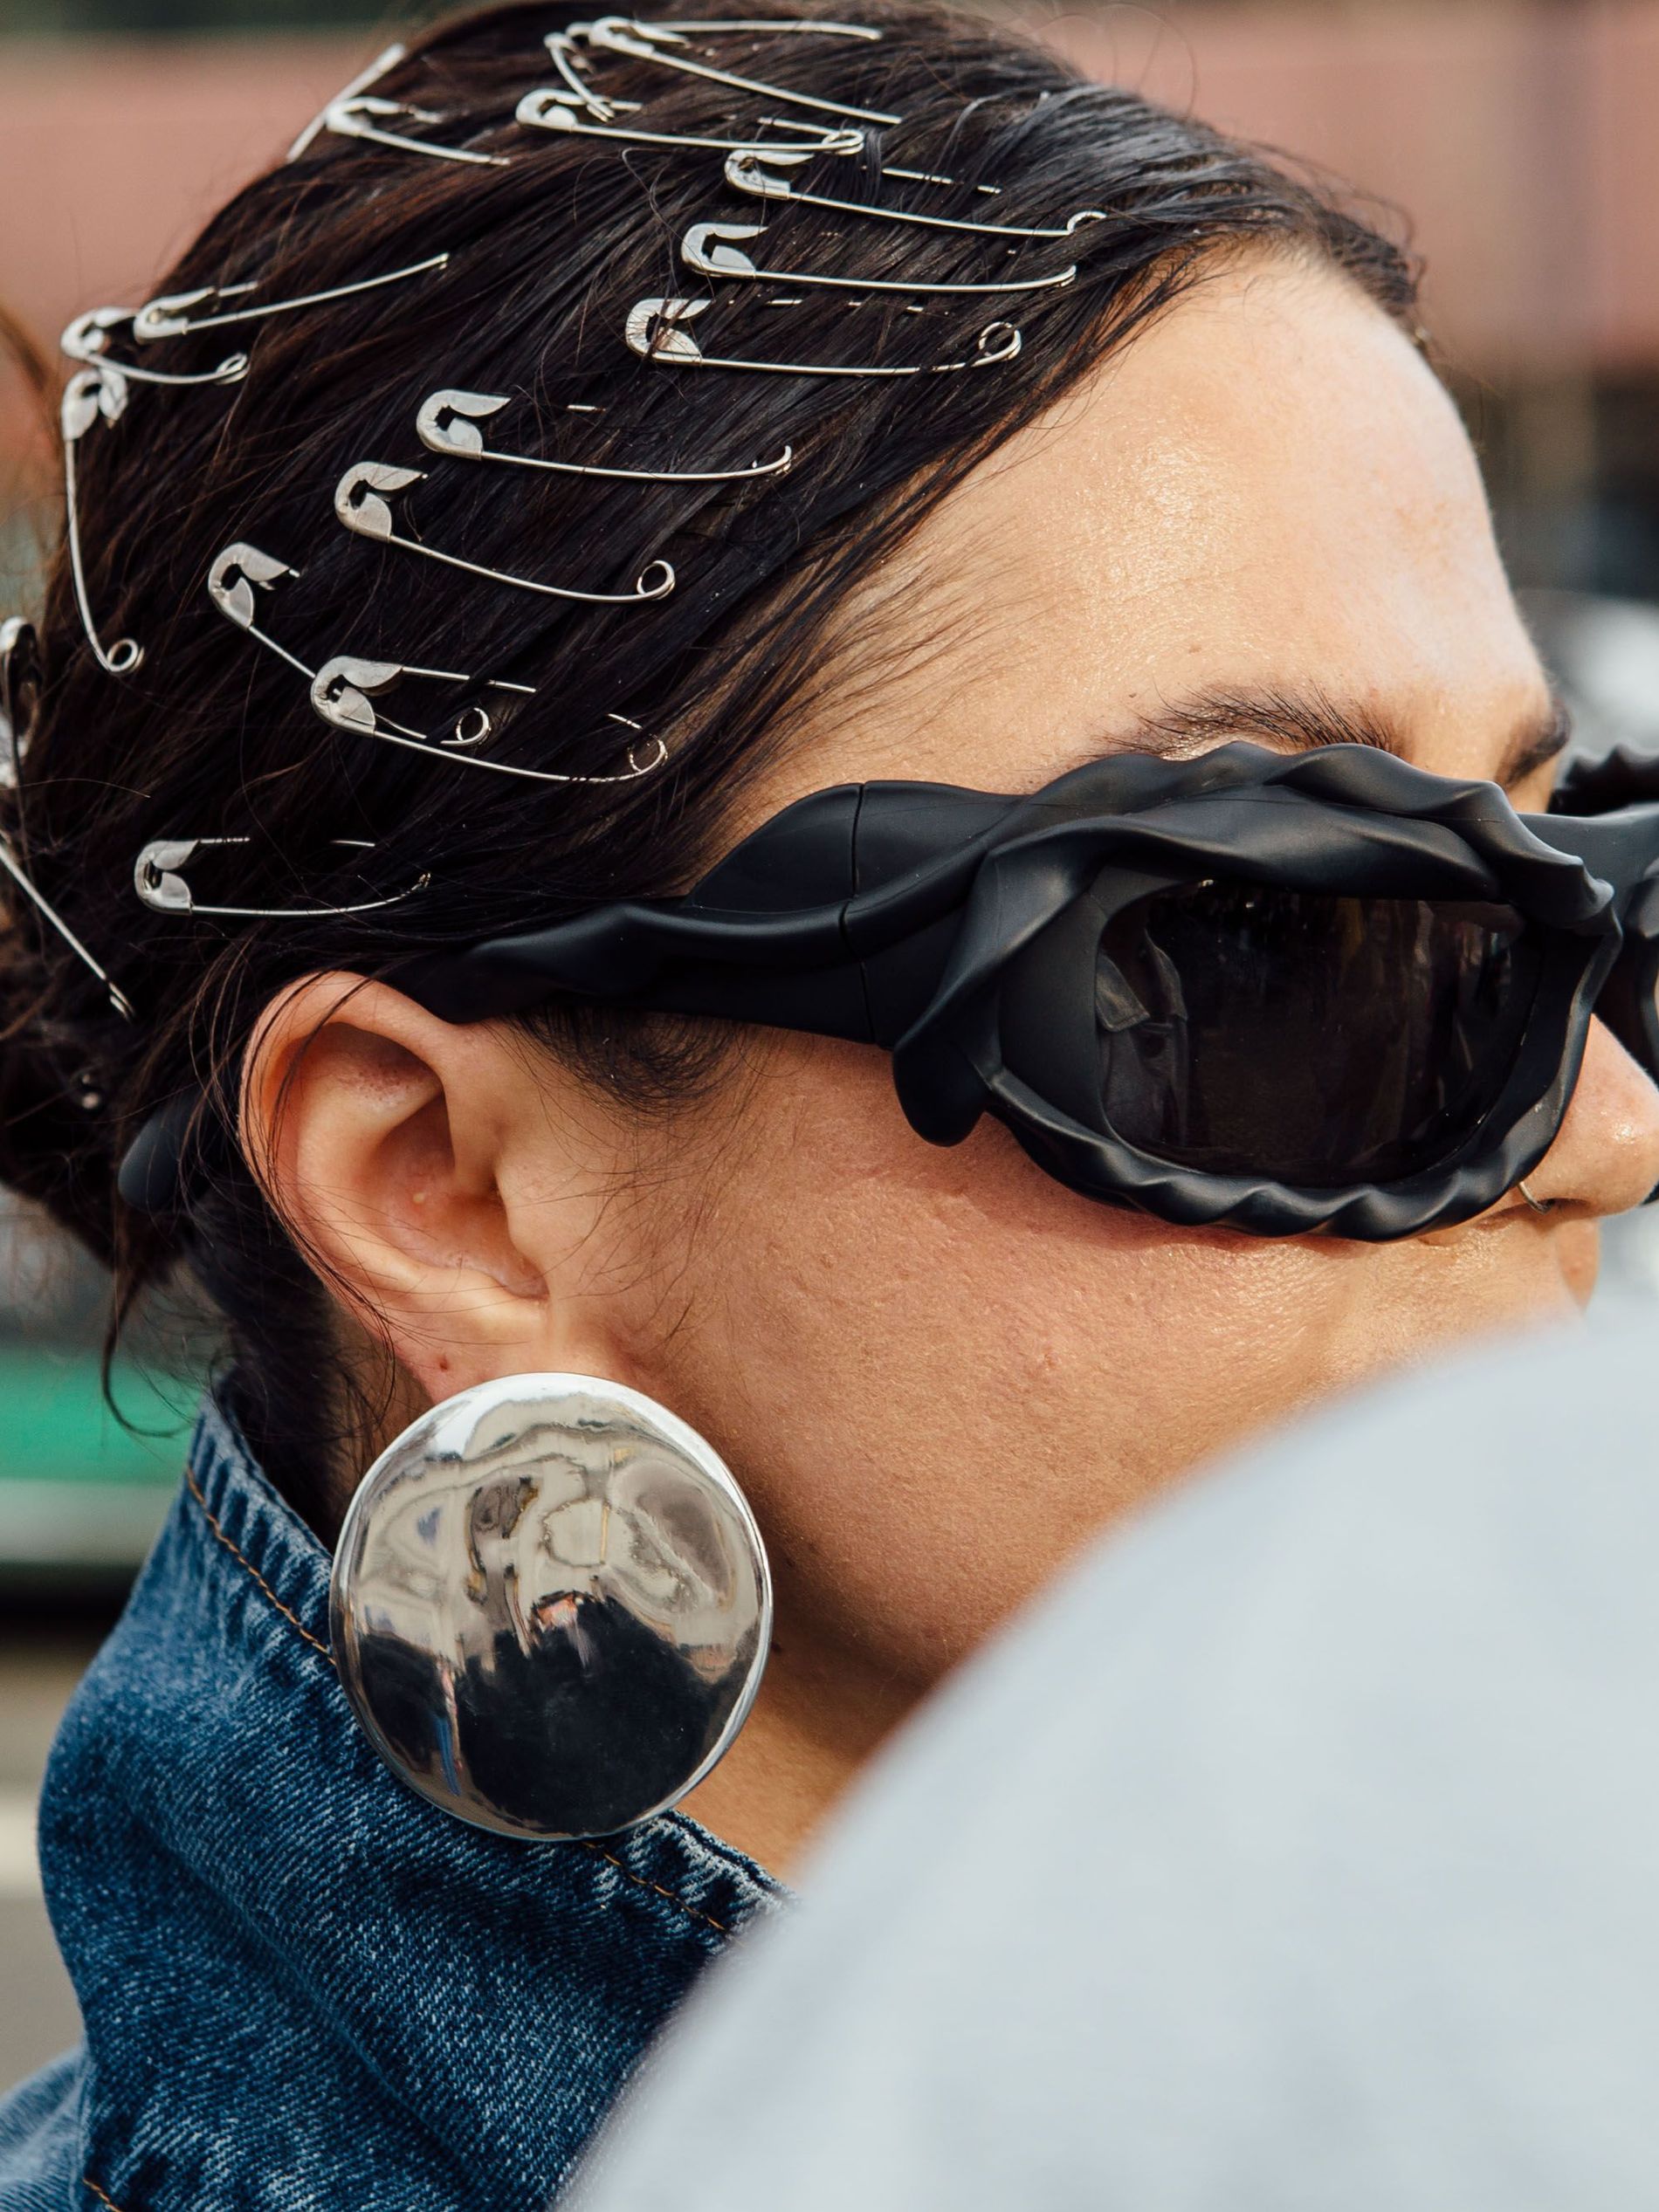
[{"x": 1315, "y": 1040}]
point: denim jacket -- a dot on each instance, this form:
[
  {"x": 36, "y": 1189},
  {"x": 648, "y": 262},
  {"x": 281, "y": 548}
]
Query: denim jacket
[{"x": 303, "y": 1987}]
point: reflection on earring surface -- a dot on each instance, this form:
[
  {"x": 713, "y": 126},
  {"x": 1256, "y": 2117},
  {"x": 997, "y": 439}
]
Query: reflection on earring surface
[{"x": 551, "y": 1607}]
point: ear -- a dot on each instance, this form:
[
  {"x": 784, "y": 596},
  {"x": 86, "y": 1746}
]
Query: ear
[{"x": 433, "y": 1175}]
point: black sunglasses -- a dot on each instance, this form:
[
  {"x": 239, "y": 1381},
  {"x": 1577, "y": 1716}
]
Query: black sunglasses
[
  {"x": 1278, "y": 992},
  {"x": 1283, "y": 993}
]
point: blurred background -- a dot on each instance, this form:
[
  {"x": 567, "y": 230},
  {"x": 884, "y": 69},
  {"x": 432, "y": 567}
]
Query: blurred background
[{"x": 1516, "y": 137}]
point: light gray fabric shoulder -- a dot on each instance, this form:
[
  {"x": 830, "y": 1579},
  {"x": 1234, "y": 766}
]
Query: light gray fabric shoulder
[{"x": 1302, "y": 1850}]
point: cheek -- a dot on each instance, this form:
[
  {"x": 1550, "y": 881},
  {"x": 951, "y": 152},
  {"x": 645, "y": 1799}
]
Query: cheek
[{"x": 936, "y": 1372}]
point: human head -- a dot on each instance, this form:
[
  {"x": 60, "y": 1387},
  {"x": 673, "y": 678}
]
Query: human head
[{"x": 702, "y": 1186}]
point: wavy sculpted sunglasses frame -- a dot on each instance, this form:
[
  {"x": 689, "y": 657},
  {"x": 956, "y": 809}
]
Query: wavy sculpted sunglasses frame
[{"x": 962, "y": 930}]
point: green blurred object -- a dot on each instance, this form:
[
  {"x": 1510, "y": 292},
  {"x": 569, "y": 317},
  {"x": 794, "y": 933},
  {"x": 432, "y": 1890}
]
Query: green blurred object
[{"x": 79, "y": 1493}]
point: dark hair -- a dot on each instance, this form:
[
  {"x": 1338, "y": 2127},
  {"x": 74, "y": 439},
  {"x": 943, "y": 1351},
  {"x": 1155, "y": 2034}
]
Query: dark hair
[{"x": 213, "y": 736}]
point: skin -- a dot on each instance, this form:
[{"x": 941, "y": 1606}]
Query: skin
[{"x": 934, "y": 1372}]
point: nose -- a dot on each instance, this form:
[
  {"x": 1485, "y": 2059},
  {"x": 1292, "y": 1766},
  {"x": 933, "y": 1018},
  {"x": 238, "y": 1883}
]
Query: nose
[{"x": 1605, "y": 1159}]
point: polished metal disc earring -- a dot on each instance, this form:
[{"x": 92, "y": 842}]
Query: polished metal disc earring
[{"x": 551, "y": 1607}]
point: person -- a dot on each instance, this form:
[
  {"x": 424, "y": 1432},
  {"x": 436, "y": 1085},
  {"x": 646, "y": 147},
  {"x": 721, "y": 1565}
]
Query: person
[
  {"x": 1294, "y": 1853},
  {"x": 773, "y": 816}
]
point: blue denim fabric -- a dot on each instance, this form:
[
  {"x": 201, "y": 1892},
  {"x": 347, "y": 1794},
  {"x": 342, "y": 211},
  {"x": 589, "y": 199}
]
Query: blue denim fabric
[{"x": 303, "y": 1987}]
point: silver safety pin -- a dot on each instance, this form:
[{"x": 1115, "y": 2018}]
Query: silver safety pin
[
  {"x": 159, "y": 883},
  {"x": 235, "y": 576},
  {"x": 91, "y": 395},
  {"x": 169, "y": 316},
  {"x": 359, "y": 505},
  {"x": 339, "y": 693},
  {"x": 19, "y": 692},
  {"x": 745, "y": 172},
  {"x": 354, "y": 117},
  {"x": 566, "y": 55},
  {"x": 383, "y": 66},
  {"x": 87, "y": 340},
  {"x": 44, "y": 907},
  {"x": 656, "y": 331},
  {"x": 808, "y": 26},
  {"x": 447, "y": 423},
  {"x": 232, "y": 580},
  {"x": 711, "y": 248},
  {"x": 338, "y": 690},
  {"x": 626, "y": 35},
  {"x": 545, "y": 109}
]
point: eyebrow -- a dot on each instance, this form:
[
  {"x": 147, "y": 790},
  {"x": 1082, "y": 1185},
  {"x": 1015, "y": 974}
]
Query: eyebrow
[{"x": 1304, "y": 721}]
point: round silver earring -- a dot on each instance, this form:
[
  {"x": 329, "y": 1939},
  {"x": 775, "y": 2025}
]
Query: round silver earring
[{"x": 551, "y": 1607}]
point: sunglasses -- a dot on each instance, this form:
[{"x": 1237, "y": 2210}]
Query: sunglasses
[{"x": 1327, "y": 991}]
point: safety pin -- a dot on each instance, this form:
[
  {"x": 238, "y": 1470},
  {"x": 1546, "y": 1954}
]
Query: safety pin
[
  {"x": 359, "y": 505},
  {"x": 231, "y": 582},
  {"x": 339, "y": 693},
  {"x": 855, "y": 144},
  {"x": 926, "y": 176},
  {"x": 43, "y": 905},
  {"x": 744, "y": 173},
  {"x": 383, "y": 66},
  {"x": 349, "y": 118},
  {"x": 232, "y": 579},
  {"x": 564, "y": 49},
  {"x": 169, "y": 316},
  {"x": 92, "y": 393},
  {"x": 625, "y": 35},
  {"x": 159, "y": 884},
  {"x": 656, "y": 331},
  {"x": 844, "y": 142},
  {"x": 340, "y": 689},
  {"x": 448, "y": 422},
  {"x": 19, "y": 686},
  {"x": 808, "y": 26},
  {"x": 707, "y": 248},
  {"x": 87, "y": 340},
  {"x": 547, "y": 110}
]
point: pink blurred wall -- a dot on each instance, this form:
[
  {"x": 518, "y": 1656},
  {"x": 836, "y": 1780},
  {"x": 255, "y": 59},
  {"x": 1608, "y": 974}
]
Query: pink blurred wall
[
  {"x": 1520, "y": 140},
  {"x": 1520, "y": 137}
]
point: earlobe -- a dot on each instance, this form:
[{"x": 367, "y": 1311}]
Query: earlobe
[{"x": 376, "y": 1131}]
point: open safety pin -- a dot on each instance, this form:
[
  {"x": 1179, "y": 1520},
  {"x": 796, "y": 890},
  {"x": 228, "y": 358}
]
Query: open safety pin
[
  {"x": 338, "y": 690},
  {"x": 87, "y": 340},
  {"x": 708, "y": 248},
  {"x": 565, "y": 52},
  {"x": 336, "y": 687},
  {"x": 656, "y": 331},
  {"x": 352, "y": 117},
  {"x": 93, "y": 394},
  {"x": 359, "y": 505},
  {"x": 157, "y": 880},
  {"x": 745, "y": 172},
  {"x": 546, "y": 109},
  {"x": 624, "y": 35},
  {"x": 383, "y": 66},
  {"x": 169, "y": 316},
  {"x": 448, "y": 422},
  {"x": 20, "y": 876}
]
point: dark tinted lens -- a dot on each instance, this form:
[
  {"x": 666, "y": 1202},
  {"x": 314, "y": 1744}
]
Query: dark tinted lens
[{"x": 1318, "y": 1040}]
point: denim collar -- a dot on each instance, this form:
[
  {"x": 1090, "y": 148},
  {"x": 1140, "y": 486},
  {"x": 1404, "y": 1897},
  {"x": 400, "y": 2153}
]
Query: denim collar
[{"x": 302, "y": 1985}]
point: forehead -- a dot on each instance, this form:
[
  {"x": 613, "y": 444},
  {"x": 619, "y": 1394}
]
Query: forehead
[{"x": 1268, "y": 490}]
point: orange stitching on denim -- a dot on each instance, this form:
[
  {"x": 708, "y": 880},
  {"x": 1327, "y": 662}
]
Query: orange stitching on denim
[
  {"x": 315, "y": 1642},
  {"x": 102, "y": 2196},
  {"x": 707, "y": 1918}
]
